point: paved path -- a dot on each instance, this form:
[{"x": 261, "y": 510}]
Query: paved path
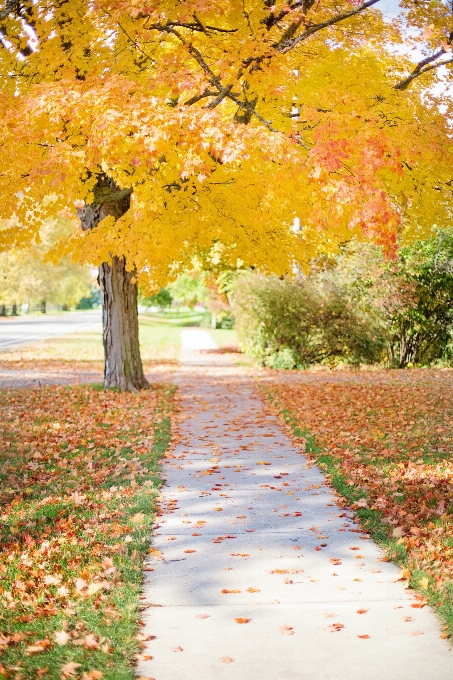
[
  {"x": 22, "y": 329},
  {"x": 261, "y": 575}
]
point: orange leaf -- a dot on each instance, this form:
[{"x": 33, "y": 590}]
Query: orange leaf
[{"x": 286, "y": 630}]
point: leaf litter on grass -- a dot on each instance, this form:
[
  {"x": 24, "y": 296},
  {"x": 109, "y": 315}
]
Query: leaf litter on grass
[
  {"x": 385, "y": 438},
  {"x": 79, "y": 476}
]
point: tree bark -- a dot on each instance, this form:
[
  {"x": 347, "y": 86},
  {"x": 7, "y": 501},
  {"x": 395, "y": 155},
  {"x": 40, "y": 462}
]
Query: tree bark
[{"x": 123, "y": 365}]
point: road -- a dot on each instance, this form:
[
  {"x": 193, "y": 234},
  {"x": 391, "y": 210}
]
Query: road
[{"x": 23, "y": 329}]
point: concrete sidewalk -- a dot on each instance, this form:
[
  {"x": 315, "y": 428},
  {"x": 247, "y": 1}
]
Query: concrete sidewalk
[{"x": 260, "y": 575}]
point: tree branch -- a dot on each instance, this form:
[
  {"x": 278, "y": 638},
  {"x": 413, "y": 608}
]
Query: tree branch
[
  {"x": 220, "y": 97},
  {"x": 288, "y": 46},
  {"x": 198, "y": 97},
  {"x": 422, "y": 67},
  {"x": 9, "y": 7}
]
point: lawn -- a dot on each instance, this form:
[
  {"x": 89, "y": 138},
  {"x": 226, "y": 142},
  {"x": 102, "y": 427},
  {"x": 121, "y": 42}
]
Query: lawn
[
  {"x": 176, "y": 318},
  {"x": 79, "y": 476},
  {"x": 224, "y": 338},
  {"x": 385, "y": 439},
  {"x": 159, "y": 343}
]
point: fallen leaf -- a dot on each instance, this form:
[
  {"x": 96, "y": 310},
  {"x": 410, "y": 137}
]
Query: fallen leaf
[
  {"x": 226, "y": 659},
  {"x": 253, "y": 590},
  {"x": 225, "y": 591},
  {"x": 424, "y": 583},
  {"x": 177, "y": 649},
  {"x": 80, "y": 584},
  {"x": 242, "y": 620},
  {"x": 61, "y": 637},
  {"x": 190, "y": 551},
  {"x": 94, "y": 588},
  {"x": 70, "y": 669},
  {"x": 363, "y": 637},
  {"x": 404, "y": 575},
  {"x": 286, "y": 630},
  {"x": 37, "y": 647},
  {"x": 90, "y": 642},
  {"x": 334, "y": 627},
  {"x": 144, "y": 638},
  {"x": 362, "y": 611},
  {"x": 398, "y": 532},
  {"x": 202, "y": 616},
  {"x": 415, "y": 632}
]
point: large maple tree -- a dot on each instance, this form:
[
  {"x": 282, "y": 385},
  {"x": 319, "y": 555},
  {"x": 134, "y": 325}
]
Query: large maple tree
[{"x": 200, "y": 129}]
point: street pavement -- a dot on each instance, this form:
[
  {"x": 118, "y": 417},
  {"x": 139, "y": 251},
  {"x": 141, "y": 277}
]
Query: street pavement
[
  {"x": 20, "y": 330},
  {"x": 257, "y": 571}
]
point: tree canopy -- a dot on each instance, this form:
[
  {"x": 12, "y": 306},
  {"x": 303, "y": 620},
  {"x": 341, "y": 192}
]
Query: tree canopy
[{"x": 223, "y": 120}]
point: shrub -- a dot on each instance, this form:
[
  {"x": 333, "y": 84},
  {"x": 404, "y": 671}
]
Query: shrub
[{"x": 291, "y": 323}]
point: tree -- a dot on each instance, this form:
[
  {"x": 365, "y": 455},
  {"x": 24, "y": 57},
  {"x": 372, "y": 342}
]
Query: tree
[
  {"x": 203, "y": 128},
  {"x": 189, "y": 289},
  {"x": 26, "y": 278},
  {"x": 422, "y": 326}
]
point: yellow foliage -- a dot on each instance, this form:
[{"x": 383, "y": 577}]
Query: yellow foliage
[{"x": 155, "y": 96}]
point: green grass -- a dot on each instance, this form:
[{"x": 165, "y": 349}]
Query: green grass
[
  {"x": 78, "y": 483},
  {"x": 158, "y": 342},
  {"x": 223, "y": 337},
  {"x": 176, "y": 318}
]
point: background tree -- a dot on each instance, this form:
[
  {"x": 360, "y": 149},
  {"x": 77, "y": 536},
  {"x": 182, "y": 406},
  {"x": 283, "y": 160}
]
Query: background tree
[
  {"x": 178, "y": 128},
  {"x": 26, "y": 278},
  {"x": 421, "y": 327}
]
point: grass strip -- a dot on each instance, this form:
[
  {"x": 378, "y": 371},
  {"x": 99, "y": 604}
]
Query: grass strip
[
  {"x": 84, "y": 350},
  {"x": 80, "y": 471},
  {"x": 436, "y": 592}
]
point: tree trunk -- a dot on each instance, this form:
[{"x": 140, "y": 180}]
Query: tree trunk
[{"x": 123, "y": 365}]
